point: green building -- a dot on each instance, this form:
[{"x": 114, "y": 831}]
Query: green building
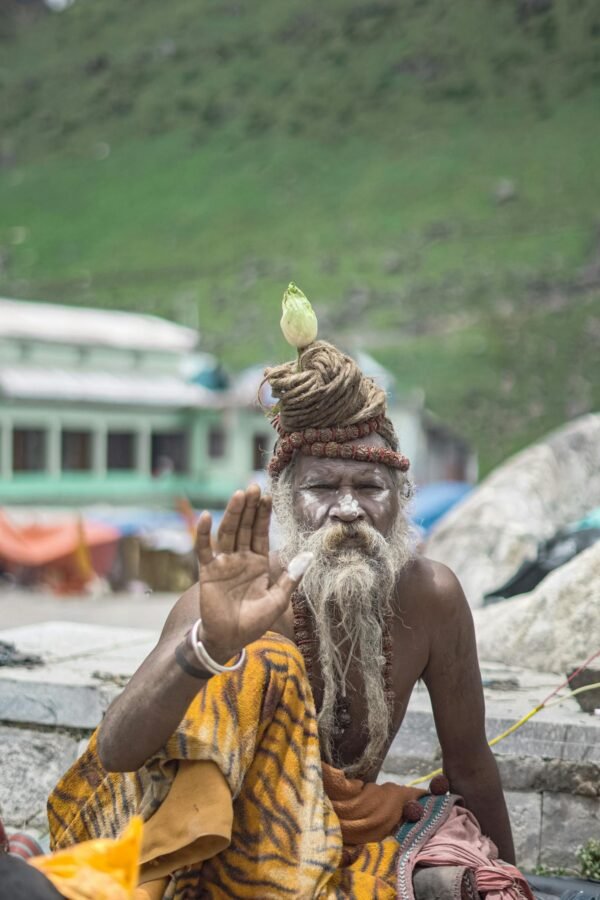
[
  {"x": 98, "y": 406},
  {"x": 112, "y": 407}
]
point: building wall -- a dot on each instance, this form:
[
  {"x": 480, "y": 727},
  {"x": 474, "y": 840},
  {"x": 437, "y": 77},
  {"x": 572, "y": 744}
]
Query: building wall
[
  {"x": 88, "y": 358},
  {"x": 226, "y": 448},
  {"x": 208, "y": 480},
  {"x": 240, "y": 427}
]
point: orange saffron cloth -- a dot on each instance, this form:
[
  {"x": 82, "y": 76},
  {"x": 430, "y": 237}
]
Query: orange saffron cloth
[{"x": 238, "y": 802}]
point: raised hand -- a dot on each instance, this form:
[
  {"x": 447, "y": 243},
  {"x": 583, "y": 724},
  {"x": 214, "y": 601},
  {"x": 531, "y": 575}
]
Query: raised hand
[{"x": 237, "y": 602}]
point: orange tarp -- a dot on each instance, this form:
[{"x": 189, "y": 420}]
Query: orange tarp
[{"x": 39, "y": 545}]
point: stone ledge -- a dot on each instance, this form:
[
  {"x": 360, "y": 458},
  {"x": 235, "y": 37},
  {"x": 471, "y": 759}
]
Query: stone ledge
[
  {"x": 567, "y": 823},
  {"x": 32, "y": 763},
  {"x": 84, "y": 667},
  {"x": 550, "y": 768},
  {"x": 518, "y": 773},
  {"x": 526, "y": 773},
  {"x": 544, "y": 738},
  {"x": 562, "y": 732}
]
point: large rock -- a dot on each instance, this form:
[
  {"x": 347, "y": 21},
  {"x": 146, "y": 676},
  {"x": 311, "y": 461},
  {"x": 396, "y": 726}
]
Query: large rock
[
  {"x": 553, "y": 626},
  {"x": 526, "y": 500}
]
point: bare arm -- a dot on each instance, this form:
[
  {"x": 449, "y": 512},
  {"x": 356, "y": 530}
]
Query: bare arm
[
  {"x": 146, "y": 714},
  {"x": 237, "y": 605},
  {"x": 453, "y": 680}
]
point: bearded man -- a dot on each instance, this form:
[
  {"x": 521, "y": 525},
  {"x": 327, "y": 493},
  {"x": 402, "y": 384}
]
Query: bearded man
[{"x": 251, "y": 738}]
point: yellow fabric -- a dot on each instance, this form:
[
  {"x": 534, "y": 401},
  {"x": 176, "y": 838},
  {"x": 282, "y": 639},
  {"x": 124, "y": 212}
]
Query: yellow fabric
[
  {"x": 176, "y": 835},
  {"x": 152, "y": 890},
  {"x": 96, "y": 870},
  {"x": 257, "y": 728}
]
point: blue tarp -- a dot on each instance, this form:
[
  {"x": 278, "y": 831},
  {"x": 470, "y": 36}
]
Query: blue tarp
[{"x": 433, "y": 500}]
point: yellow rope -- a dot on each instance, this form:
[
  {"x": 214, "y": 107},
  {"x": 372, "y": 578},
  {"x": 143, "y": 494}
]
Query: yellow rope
[
  {"x": 513, "y": 728},
  {"x": 579, "y": 690}
]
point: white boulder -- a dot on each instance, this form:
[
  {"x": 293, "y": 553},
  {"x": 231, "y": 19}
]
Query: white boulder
[
  {"x": 526, "y": 500},
  {"x": 555, "y": 625}
]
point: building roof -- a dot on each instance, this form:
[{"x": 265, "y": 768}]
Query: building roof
[
  {"x": 21, "y": 382},
  {"x": 23, "y": 319},
  {"x": 248, "y": 384}
]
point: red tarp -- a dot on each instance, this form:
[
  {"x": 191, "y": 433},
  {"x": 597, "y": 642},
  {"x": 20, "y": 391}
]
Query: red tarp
[{"x": 36, "y": 545}]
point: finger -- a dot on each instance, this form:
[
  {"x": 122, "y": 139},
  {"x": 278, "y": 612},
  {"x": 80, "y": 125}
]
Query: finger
[
  {"x": 203, "y": 548},
  {"x": 227, "y": 532},
  {"x": 280, "y": 593},
  {"x": 244, "y": 535},
  {"x": 260, "y": 532}
]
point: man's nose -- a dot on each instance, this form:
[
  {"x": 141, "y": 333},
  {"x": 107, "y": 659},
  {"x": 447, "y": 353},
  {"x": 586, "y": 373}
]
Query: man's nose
[{"x": 346, "y": 509}]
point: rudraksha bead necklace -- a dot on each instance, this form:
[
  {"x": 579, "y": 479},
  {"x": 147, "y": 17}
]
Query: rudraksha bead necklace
[{"x": 304, "y": 634}]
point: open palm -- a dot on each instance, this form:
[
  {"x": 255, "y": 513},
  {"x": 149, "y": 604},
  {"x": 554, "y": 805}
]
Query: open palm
[{"x": 237, "y": 602}]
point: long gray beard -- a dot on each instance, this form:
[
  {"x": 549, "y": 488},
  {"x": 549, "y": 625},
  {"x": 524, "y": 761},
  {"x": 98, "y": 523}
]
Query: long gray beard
[{"x": 349, "y": 590}]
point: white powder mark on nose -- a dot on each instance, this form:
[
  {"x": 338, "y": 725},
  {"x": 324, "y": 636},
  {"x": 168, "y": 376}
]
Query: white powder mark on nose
[{"x": 349, "y": 505}]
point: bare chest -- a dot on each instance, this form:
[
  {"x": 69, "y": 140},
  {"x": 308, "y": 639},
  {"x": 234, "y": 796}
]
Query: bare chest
[{"x": 409, "y": 658}]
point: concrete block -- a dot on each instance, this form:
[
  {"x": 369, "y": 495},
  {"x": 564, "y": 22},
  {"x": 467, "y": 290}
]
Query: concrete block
[
  {"x": 66, "y": 705},
  {"x": 86, "y": 666},
  {"x": 551, "y": 738},
  {"x": 32, "y": 763},
  {"x": 562, "y": 732},
  {"x": 526, "y": 773},
  {"x": 525, "y": 811},
  {"x": 567, "y": 823},
  {"x": 72, "y": 640},
  {"x": 521, "y": 773}
]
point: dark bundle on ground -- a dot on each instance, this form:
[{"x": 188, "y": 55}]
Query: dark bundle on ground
[{"x": 19, "y": 881}]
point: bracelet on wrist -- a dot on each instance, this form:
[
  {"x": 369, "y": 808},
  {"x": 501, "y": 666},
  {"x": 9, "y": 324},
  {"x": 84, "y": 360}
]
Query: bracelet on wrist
[
  {"x": 187, "y": 667},
  {"x": 205, "y": 659}
]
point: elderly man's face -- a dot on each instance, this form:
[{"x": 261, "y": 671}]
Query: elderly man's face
[{"x": 331, "y": 492}]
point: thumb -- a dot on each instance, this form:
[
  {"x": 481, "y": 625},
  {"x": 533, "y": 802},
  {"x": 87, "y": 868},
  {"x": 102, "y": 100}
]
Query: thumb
[
  {"x": 298, "y": 566},
  {"x": 289, "y": 579}
]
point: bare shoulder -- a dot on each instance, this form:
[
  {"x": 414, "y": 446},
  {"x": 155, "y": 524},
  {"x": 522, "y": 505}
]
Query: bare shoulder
[
  {"x": 432, "y": 586},
  {"x": 445, "y": 617}
]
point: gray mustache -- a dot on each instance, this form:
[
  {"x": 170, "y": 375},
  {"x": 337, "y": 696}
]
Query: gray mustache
[{"x": 359, "y": 534}]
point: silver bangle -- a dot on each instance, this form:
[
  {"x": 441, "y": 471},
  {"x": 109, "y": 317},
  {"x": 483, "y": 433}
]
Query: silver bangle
[{"x": 205, "y": 659}]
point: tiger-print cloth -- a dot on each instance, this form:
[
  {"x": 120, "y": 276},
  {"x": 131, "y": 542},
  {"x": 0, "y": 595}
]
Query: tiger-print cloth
[{"x": 259, "y": 726}]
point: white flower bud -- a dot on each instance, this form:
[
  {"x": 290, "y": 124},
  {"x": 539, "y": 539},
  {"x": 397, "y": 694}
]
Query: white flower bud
[{"x": 298, "y": 323}]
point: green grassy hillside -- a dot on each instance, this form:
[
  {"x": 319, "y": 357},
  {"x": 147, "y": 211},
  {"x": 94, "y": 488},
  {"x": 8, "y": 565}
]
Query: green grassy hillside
[{"x": 427, "y": 172}]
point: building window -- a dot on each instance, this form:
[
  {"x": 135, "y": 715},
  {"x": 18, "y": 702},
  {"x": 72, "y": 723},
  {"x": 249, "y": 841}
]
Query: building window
[
  {"x": 169, "y": 452},
  {"x": 120, "y": 450},
  {"x": 76, "y": 451},
  {"x": 29, "y": 450},
  {"x": 216, "y": 442},
  {"x": 260, "y": 448}
]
